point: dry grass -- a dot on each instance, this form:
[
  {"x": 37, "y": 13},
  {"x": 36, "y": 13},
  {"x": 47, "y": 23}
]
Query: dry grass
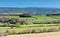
[{"x": 51, "y": 34}]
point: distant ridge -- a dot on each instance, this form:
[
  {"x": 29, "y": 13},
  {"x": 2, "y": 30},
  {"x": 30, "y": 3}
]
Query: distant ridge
[{"x": 33, "y": 10}]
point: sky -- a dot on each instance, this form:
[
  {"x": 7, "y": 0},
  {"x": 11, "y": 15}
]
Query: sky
[{"x": 30, "y": 3}]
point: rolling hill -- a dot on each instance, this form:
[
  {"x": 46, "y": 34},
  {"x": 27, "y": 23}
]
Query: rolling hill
[{"x": 33, "y": 10}]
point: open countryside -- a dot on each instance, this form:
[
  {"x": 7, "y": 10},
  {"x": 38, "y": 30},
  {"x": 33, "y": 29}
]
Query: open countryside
[{"x": 29, "y": 18}]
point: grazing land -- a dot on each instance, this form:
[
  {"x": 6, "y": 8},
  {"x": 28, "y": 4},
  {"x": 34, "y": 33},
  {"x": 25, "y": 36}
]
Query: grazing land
[{"x": 25, "y": 26}]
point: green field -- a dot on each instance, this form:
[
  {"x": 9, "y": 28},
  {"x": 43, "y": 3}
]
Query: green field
[
  {"x": 36, "y": 18},
  {"x": 33, "y": 26}
]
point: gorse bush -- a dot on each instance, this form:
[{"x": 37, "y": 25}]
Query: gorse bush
[
  {"x": 39, "y": 30},
  {"x": 32, "y": 30},
  {"x": 3, "y": 32},
  {"x": 12, "y": 32},
  {"x": 53, "y": 29},
  {"x": 27, "y": 31}
]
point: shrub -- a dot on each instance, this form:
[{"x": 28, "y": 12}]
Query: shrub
[
  {"x": 22, "y": 32},
  {"x": 44, "y": 30},
  {"x": 59, "y": 28},
  {"x": 53, "y": 29},
  {"x": 27, "y": 31},
  {"x": 30, "y": 30},
  {"x": 12, "y": 21},
  {"x": 39, "y": 30},
  {"x": 12, "y": 32},
  {"x": 3, "y": 33}
]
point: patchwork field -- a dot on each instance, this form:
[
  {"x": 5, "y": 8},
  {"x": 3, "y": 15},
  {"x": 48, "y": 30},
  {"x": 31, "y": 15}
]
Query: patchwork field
[
  {"x": 36, "y": 18},
  {"x": 25, "y": 30}
]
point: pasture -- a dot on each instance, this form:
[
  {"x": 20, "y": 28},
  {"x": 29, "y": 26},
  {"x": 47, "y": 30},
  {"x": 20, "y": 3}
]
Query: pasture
[{"x": 32, "y": 28}]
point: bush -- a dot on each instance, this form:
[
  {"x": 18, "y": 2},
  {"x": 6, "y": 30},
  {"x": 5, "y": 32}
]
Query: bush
[
  {"x": 12, "y": 32},
  {"x": 3, "y": 32},
  {"x": 39, "y": 30},
  {"x": 30, "y": 30},
  {"x": 26, "y": 31},
  {"x": 53, "y": 29},
  {"x": 12, "y": 21}
]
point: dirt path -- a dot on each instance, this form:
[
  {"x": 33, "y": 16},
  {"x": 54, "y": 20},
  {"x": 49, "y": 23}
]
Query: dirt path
[{"x": 51, "y": 34}]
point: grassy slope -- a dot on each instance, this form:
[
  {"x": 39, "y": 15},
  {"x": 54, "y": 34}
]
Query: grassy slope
[
  {"x": 33, "y": 26},
  {"x": 36, "y": 18}
]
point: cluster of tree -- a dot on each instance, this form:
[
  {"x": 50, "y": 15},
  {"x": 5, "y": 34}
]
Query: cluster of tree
[
  {"x": 13, "y": 21},
  {"x": 26, "y": 15},
  {"x": 6, "y": 20}
]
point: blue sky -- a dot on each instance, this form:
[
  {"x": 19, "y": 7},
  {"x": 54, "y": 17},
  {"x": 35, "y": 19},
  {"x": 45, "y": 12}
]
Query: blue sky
[{"x": 30, "y": 3}]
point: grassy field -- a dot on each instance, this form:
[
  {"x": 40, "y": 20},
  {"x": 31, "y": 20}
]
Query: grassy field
[
  {"x": 36, "y": 18},
  {"x": 33, "y": 26}
]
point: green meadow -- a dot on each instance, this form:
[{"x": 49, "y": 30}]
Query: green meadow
[{"x": 33, "y": 26}]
